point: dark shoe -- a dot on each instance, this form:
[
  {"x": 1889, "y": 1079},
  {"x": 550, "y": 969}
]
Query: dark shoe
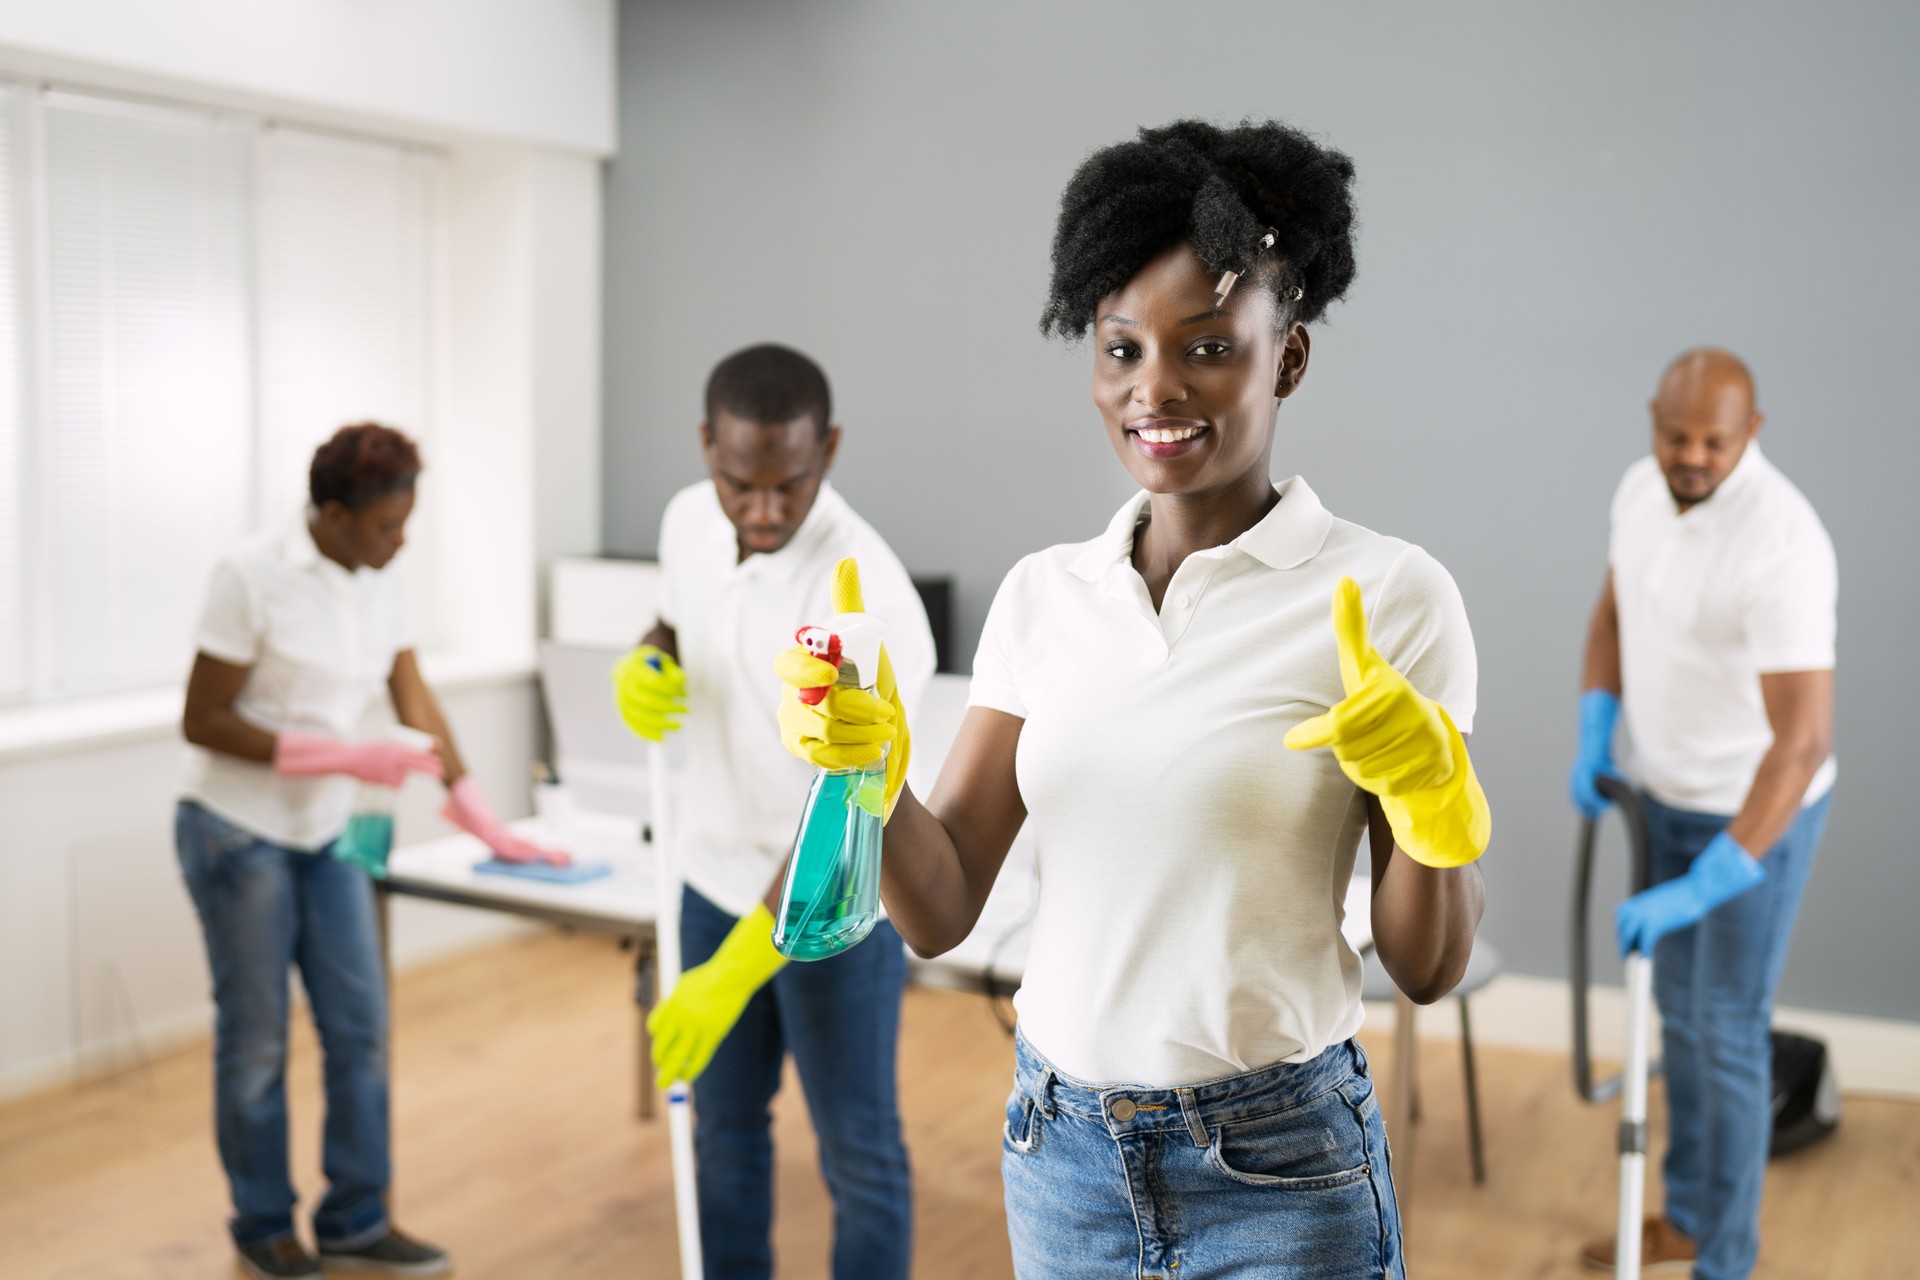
[
  {"x": 393, "y": 1254},
  {"x": 276, "y": 1259},
  {"x": 1664, "y": 1251}
]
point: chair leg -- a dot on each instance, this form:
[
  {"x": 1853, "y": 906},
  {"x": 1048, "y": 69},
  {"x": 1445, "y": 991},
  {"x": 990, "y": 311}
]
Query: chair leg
[
  {"x": 1413, "y": 1075},
  {"x": 1473, "y": 1096}
]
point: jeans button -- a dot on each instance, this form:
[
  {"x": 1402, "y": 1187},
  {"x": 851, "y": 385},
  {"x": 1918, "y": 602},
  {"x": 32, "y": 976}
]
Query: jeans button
[{"x": 1124, "y": 1110}]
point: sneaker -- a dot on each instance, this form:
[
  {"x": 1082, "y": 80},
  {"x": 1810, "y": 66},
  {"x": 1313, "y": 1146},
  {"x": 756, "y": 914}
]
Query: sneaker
[
  {"x": 393, "y": 1254},
  {"x": 1664, "y": 1251},
  {"x": 277, "y": 1259}
]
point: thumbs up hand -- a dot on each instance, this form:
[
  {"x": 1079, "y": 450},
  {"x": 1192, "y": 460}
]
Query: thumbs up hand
[
  {"x": 1387, "y": 737},
  {"x": 1399, "y": 745}
]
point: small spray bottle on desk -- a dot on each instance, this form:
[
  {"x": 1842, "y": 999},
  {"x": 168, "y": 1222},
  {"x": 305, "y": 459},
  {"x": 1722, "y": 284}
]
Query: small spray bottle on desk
[{"x": 831, "y": 899}]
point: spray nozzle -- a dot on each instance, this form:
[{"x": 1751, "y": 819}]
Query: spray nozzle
[{"x": 850, "y": 643}]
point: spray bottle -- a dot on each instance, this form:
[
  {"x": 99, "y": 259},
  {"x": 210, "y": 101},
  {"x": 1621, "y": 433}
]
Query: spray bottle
[
  {"x": 832, "y": 895},
  {"x": 368, "y": 839}
]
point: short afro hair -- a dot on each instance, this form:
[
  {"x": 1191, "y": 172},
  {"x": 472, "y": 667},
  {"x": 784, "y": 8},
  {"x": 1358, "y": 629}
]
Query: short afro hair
[
  {"x": 361, "y": 464},
  {"x": 770, "y": 384},
  {"x": 1218, "y": 190}
]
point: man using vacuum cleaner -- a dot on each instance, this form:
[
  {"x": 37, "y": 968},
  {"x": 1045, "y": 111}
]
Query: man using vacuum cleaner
[{"x": 1714, "y": 634}]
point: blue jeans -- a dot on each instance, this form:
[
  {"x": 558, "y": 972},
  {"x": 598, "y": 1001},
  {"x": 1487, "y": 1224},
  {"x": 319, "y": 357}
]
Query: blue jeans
[
  {"x": 840, "y": 1018},
  {"x": 1279, "y": 1174},
  {"x": 263, "y": 909},
  {"x": 1714, "y": 983}
]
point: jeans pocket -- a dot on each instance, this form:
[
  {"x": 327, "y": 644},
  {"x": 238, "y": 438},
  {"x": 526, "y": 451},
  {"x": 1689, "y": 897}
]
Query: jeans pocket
[
  {"x": 1300, "y": 1149},
  {"x": 207, "y": 843},
  {"x": 1022, "y": 1128}
]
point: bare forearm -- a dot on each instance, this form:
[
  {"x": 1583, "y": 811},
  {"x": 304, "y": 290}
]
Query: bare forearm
[
  {"x": 924, "y": 880},
  {"x": 662, "y": 638},
  {"x": 425, "y": 715},
  {"x": 1601, "y": 667},
  {"x": 415, "y": 707},
  {"x": 1800, "y": 711},
  {"x": 1779, "y": 788},
  {"x": 222, "y": 730},
  {"x": 1424, "y": 920}
]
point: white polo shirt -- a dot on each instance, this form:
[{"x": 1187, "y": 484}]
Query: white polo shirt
[
  {"x": 1711, "y": 599},
  {"x": 319, "y": 642},
  {"x": 1192, "y": 868},
  {"x": 743, "y": 793}
]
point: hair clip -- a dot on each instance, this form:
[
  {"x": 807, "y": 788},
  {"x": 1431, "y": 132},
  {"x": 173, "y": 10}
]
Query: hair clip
[
  {"x": 1228, "y": 279},
  {"x": 1294, "y": 293}
]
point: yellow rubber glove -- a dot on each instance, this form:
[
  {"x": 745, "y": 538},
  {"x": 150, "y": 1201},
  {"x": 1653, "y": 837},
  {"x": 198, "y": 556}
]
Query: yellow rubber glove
[
  {"x": 1399, "y": 746},
  {"x": 688, "y": 1026},
  {"x": 849, "y": 728},
  {"x": 651, "y": 691}
]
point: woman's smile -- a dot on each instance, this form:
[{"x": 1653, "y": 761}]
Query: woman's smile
[{"x": 1166, "y": 437}]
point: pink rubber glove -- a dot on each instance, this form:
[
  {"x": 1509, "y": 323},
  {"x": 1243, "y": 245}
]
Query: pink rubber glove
[
  {"x": 468, "y": 810},
  {"x": 385, "y": 764}
]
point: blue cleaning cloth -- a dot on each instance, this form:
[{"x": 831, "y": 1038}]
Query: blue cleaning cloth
[{"x": 572, "y": 873}]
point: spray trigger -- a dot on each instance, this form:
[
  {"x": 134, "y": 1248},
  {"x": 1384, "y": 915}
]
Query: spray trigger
[{"x": 824, "y": 645}]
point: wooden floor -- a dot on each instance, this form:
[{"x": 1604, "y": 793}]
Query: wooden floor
[{"x": 516, "y": 1148}]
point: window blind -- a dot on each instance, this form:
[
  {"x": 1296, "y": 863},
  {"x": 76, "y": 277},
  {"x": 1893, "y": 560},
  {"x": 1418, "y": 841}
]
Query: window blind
[{"x": 145, "y": 459}]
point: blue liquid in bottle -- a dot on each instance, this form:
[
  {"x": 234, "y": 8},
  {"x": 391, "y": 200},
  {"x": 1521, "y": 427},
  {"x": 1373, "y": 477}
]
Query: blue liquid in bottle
[
  {"x": 366, "y": 843},
  {"x": 832, "y": 896}
]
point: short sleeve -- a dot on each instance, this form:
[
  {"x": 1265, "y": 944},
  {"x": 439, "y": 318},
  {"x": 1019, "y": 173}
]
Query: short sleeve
[
  {"x": 995, "y": 685},
  {"x": 1620, "y": 515},
  {"x": 230, "y": 623},
  {"x": 1792, "y": 601},
  {"x": 665, "y": 600},
  {"x": 1420, "y": 626}
]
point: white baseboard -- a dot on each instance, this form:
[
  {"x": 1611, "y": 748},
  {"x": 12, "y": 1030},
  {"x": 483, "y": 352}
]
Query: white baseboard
[{"x": 1870, "y": 1055}]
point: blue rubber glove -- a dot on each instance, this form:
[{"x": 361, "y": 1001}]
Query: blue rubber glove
[
  {"x": 1598, "y": 710},
  {"x": 1722, "y": 872}
]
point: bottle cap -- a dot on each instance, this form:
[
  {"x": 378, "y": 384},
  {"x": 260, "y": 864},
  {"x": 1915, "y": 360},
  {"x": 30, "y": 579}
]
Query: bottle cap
[{"x": 860, "y": 635}]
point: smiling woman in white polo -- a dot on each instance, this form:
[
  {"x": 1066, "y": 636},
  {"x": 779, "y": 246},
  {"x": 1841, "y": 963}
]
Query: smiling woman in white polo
[{"x": 1200, "y": 753}]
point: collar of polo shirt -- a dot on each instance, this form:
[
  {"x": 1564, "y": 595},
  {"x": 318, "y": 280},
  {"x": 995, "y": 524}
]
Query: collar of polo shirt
[
  {"x": 300, "y": 550},
  {"x": 1289, "y": 535},
  {"x": 1708, "y": 510}
]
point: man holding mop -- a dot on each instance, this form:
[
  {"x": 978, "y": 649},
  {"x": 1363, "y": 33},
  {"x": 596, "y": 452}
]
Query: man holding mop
[
  {"x": 1715, "y": 634},
  {"x": 746, "y": 559}
]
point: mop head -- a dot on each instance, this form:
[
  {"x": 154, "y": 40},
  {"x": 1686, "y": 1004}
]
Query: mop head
[{"x": 572, "y": 873}]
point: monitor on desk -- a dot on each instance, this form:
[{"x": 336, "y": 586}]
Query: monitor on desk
[{"x": 598, "y": 758}]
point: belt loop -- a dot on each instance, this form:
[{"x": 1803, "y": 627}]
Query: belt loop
[
  {"x": 1045, "y": 1098},
  {"x": 1191, "y": 1110}
]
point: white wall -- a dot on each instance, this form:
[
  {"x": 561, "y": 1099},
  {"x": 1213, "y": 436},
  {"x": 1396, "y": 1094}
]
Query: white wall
[
  {"x": 535, "y": 71},
  {"x": 97, "y": 935}
]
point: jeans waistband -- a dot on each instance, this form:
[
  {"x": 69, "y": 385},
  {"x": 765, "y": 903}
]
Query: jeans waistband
[{"x": 1194, "y": 1107}]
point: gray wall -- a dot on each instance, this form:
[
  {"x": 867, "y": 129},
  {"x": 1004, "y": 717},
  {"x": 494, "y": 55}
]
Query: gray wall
[{"x": 1554, "y": 203}]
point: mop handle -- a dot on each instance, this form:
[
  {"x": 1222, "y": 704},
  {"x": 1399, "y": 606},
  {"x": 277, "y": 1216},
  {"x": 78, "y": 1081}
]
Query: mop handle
[
  {"x": 1633, "y": 1117},
  {"x": 666, "y": 933}
]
